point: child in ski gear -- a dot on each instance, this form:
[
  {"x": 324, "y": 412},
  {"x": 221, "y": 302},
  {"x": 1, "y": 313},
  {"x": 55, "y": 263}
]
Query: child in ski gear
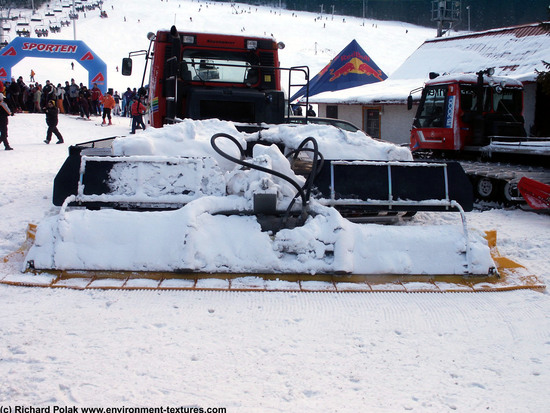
[
  {"x": 51, "y": 120},
  {"x": 137, "y": 111},
  {"x": 4, "y": 113},
  {"x": 108, "y": 105}
]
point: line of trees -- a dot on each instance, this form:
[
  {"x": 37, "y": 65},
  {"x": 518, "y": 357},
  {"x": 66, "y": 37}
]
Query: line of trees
[
  {"x": 482, "y": 15},
  {"x": 486, "y": 14}
]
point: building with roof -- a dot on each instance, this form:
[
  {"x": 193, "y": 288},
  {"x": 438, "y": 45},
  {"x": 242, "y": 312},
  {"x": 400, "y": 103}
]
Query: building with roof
[{"x": 380, "y": 109}]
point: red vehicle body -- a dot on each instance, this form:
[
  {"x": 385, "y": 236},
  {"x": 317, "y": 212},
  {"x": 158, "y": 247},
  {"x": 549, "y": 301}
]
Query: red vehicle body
[
  {"x": 201, "y": 76},
  {"x": 463, "y": 112},
  {"x": 479, "y": 117}
]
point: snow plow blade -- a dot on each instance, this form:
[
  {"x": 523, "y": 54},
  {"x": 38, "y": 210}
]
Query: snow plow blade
[{"x": 508, "y": 276}]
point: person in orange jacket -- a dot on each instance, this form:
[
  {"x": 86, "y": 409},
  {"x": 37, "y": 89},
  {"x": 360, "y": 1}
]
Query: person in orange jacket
[{"x": 108, "y": 105}]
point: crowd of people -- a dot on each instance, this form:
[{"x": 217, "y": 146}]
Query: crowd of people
[{"x": 72, "y": 98}]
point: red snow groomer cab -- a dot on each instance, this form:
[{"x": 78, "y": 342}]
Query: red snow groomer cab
[
  {"x": 202, "y": 75},
  {"x": 479, "y": 117},
  {"x": 462, "y": 112}
]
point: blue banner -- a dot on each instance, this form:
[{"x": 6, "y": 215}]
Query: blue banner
[{"x": 22, "y": 47}]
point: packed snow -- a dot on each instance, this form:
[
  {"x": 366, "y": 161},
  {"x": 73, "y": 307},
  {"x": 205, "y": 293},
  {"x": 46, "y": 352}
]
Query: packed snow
[{"x": 250, "y": 352}]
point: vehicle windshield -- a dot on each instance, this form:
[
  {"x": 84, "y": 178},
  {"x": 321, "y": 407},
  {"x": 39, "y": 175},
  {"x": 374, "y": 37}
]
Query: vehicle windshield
[
  {"x": 431, "y": 111},
  {"x": 222, "y": 67}
]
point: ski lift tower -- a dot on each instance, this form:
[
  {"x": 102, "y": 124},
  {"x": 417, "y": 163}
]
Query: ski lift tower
[{"x": 446, "y": 13}]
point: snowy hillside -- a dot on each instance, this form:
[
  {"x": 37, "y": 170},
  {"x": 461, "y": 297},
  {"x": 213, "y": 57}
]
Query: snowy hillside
[
  {"x": 257, "y": 352},
  {"x": 310, "y": 39}
]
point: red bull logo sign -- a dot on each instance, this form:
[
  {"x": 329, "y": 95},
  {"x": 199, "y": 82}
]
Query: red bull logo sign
[
  {"x": 357, "y": 66},
  {"x": 350, "y": 68},
  {"x": 324, "y": 69}
]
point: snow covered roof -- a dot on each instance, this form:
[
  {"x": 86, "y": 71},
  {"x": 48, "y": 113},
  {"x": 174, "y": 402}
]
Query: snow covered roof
[{"x": 515, "y": 51}]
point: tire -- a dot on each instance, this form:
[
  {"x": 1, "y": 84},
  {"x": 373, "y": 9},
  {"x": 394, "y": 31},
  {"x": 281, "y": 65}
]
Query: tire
[
  {"x": 507, "y": 192},
  {"x": 485, "y": 188}
]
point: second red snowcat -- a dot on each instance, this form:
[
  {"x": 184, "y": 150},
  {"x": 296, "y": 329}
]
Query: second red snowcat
[{"x": 478, "y": 120}]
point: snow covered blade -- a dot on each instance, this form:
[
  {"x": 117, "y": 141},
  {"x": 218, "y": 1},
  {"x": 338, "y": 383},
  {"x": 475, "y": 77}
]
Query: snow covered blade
[
  {"x": 508, "y": 276},
  {"x": 214, "y": 225},
  {"x": 217, "y": 228}
]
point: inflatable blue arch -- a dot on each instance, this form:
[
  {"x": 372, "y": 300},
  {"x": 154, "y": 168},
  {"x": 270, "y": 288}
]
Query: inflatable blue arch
[{"x": 22, "y": 47}]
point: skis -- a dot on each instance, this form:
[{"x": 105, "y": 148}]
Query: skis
[{"x": 535, "y": 193}]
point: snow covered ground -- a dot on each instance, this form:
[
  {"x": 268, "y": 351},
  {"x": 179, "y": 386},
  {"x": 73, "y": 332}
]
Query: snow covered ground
[{"x": 261, "y": 352}]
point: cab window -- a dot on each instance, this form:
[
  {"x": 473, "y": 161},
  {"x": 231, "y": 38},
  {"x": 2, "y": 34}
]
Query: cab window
[
  {"x": 431, "y": 112},
  {"x": 219, "y": 66},
  {"x": 507, "y": 102}
]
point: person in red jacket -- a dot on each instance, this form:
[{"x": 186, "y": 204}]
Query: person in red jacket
[
  {"x": 108, "y": 105},
  {"x": 96, "y": 96},
  {"x": 137, "y": 110}
]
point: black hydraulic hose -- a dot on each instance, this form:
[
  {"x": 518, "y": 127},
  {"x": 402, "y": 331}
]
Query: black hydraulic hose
[
  {"x": 225, "y": 155},
  {"x": 251, "y": 165},
  {"x": 241, "y": 162},
  {"x": 316, "y": 166}
]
